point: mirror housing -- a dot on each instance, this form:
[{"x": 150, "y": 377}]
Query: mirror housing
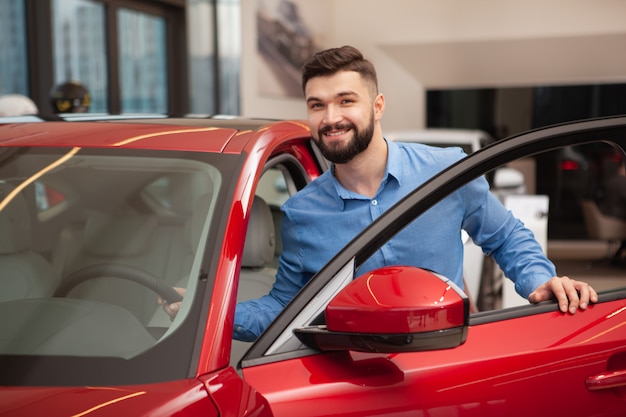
[{"x": 393, "y": 309}]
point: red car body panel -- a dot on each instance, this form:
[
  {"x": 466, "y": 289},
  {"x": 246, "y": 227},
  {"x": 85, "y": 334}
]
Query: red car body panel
[
  {"x": 491, "y": 374},
  {"x": 184, "y": 398},
  {"x": 233, "y": 396},
  {"x": 218, "y": 394}
]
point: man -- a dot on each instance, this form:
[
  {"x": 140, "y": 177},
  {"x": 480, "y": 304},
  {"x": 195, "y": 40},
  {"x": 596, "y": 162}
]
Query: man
[{"x": 369, "y": 175}]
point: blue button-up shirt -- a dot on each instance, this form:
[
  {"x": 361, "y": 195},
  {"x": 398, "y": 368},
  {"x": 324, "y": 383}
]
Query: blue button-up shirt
[{"x": 324, "y": 216}]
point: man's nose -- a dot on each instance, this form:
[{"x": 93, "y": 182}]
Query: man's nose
[{"x": 332, "y": 115}]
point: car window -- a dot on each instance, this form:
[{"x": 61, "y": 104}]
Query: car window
[
  {"x": 272, "y": 187},
  {"x": 96, "y": 237}
]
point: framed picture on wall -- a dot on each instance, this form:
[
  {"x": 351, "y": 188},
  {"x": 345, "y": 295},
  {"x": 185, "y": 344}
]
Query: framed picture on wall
[{"x": 288, "y": 33}]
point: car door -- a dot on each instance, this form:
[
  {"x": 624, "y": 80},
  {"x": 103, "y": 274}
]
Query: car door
[{"x": 519, "y": 361}]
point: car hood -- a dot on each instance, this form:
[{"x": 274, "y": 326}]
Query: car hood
[{"x": 163, "y": 399}]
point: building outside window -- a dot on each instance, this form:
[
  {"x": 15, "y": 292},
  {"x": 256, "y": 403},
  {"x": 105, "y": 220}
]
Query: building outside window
[
  {"x": 214, "y": 39},
  {"x": 142, "y": 63},
  {"x": 137, "y": 56},
  {"x": 13, "y": 50},
  {"x": 79, "y": 46}
]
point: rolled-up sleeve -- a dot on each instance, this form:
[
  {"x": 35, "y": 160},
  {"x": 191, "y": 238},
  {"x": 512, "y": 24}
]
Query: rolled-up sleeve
[{"x": 502, "y": 235}]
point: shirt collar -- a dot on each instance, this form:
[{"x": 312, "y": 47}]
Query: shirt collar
[
  {"x": 393, "y": 154},
  {"x": 394, "y": 171}
]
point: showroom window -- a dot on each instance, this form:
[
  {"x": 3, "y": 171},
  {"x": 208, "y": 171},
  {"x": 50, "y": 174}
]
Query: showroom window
[
  {"x": 13, "y": 58},
  {"x": 142, "y": 63},
  {"x": 229, "y": 54},
  {"x": 78, "y": 28},
  {"x": 164, "y": 56},
  {"x": 132, "y": 73},
  {"x": 214, "y": 28}
]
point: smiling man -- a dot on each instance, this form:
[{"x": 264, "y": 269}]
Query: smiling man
[{"x": 369, "y": 175}]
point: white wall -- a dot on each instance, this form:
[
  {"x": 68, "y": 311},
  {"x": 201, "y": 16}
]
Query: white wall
[{"x": 419, "y": 44}]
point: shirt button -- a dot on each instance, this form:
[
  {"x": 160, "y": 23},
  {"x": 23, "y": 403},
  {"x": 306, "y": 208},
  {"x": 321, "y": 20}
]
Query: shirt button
[{"x": 374, "y": 202}]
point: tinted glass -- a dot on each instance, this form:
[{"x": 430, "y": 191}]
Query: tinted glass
[
  {"x": 85, "y": 238},
  {"x": 143, "y": 68},
  {"x": 80, "y": 47},
  {"x": 13, "y": 60}
]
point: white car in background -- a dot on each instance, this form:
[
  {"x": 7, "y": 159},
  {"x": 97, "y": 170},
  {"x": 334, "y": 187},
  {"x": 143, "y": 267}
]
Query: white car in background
[
  {"x": 483, "y": 278},
  {"x": 469, "y": 140}
]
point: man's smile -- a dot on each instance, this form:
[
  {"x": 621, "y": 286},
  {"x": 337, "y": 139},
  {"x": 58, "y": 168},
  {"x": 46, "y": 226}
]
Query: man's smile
[{"x": 335, "y": 132}]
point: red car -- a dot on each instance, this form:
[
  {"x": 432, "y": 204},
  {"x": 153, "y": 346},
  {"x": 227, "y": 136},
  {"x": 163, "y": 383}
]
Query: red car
[{"x": 98, "y": 219}]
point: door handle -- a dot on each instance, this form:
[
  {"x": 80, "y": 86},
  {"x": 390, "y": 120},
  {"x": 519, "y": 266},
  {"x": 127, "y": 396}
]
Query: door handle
[{"x": 606, "y": 380}]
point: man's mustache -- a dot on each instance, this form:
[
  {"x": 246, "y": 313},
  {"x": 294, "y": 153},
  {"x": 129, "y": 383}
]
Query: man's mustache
[{"x": 338, "y": 126}]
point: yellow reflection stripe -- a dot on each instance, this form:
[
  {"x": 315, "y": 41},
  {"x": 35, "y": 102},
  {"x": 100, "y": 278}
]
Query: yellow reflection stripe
[
  {"x": 612, "y": 329},
  {"x": 34, "y": 177},
  {"x": 105, "y": 404},
  {"x": 155, "y": 134}
]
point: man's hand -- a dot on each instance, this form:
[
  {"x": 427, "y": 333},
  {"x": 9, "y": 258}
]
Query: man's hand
[
  {"x": 570, "y": 294},
  {"x": 172, "y": 309}
]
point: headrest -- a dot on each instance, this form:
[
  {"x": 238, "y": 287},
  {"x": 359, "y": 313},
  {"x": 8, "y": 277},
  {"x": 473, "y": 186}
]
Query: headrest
[
  {"x": 260, "y": 238},
  {"x": 15, "y": 227},
  {"x": 109, "y": 235}
]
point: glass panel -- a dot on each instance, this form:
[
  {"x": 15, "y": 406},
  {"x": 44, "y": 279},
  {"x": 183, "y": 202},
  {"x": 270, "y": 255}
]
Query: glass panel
[
  {"x": 13, "y": 60},
  {"x": 143, "y": 70},
  {"x": 229, "y": 38},
  {"x": 202, "y": 92},
  {"x": 78, "y": 30},
  {"x": 87, "y": 264},
  {"x": 507, "y": 111},
  {"x": 204, "y": 97}
]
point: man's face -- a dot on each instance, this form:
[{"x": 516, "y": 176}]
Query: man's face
[{"x": 340, "y": 114}]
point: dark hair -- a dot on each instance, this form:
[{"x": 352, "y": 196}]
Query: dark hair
[{"x": 333, "y": 60}]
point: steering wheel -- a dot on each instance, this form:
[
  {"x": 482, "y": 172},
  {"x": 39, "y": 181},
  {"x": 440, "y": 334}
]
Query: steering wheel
[{"x": 129, "y": 273}]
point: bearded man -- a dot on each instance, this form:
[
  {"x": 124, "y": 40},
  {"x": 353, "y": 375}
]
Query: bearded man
[{"x": 368, "y": 175}]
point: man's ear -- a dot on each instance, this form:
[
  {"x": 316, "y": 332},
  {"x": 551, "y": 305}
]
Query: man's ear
[{"x": 379, "y": 106}]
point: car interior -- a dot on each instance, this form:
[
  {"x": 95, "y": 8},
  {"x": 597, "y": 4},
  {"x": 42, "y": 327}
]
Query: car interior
[{"x": 263, "y": 244}]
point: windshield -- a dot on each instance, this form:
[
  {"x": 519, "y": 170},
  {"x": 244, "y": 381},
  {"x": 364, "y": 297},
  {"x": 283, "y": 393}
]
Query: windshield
[{"x": 89, "y": 241}]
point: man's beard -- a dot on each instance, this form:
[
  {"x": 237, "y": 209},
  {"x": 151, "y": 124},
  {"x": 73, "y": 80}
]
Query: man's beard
[{"x": 341, "y": 154}]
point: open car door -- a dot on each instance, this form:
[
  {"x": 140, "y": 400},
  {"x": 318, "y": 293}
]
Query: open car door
[{"x": 400, "y": 341}]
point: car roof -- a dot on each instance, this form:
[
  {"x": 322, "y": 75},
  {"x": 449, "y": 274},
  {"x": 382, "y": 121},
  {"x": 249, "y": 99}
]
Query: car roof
[{"x": 207, "y": 134}]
